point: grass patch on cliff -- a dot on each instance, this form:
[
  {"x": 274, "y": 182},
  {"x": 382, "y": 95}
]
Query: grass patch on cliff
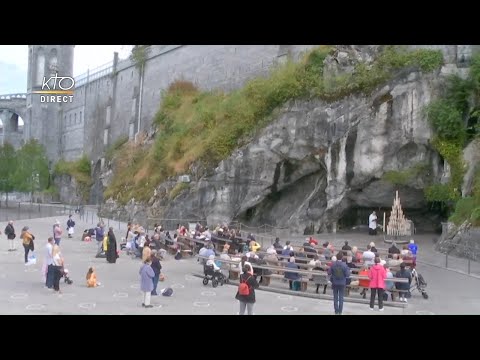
[
  {"x": 80, "y": 170},
  {"x": 207, "y": 126},
  {"x": 405, "y": 176}
]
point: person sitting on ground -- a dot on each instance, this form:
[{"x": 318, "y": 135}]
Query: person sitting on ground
[
  {"x": 393, "y": 249},
  {"x": 373, "y": 248},
  {"x": 369, "y": 256},
  {"x": 92, "y": 278},
  {"x": 291, "y": 276}
]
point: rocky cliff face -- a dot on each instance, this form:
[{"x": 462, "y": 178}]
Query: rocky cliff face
[{"x": 317, "y": 160}]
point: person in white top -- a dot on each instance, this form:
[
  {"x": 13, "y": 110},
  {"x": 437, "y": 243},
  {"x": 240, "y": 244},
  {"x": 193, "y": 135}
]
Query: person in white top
[
  {"x": 211, "y": 261},
  {"x": 58, "y": 268},
  {"x": 288, "y": 246},
  {"x": 372, "y": 223},
  {"x": 368, "y": 257},
  {"x": 49, "y": 267}
]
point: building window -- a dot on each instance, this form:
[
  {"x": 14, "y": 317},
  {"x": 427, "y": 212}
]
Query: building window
[
  {"x": 80, "y": 120},
  {"x": 70, "y": 120},
  {"x": 75, "y": 121}
]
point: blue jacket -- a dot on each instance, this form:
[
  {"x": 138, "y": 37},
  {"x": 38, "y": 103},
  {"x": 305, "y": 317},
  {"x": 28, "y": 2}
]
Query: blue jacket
[
  {"x": 292, "y": 275},
  {"x": 413, "y": 248},
  {"x": 403, "y": 274},
  {"x": 99, "y": 232},
  {"x": 339, "y": 272}
]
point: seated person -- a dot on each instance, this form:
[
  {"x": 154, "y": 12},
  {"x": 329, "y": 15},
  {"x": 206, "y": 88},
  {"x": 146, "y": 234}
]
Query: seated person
[
  {"x": 320, "y": 279},
  {"x": 312, "y": 241},
  {"x": 251, "y": 255},
  {"x": 254, "y": 246},
  {"x": 393, "y": 260},
  {"x": 393, "y": 249},
  {"x": 389, "y": 285},
  {"x": 288, "y": 246},
  {"x": 92, "y": 278},
  {"x": 405, "y": 252},
  {"x": 277, "y": 244},
  {"x": 292, "y": 276},
  {"x": 271, "y": 250},
  {"x": 373, "y": 248},
  {"x": 211, "y": 262}
]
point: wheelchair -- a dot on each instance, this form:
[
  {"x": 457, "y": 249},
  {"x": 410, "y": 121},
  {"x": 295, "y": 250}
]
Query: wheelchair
[{"x": 216, "y": 277}]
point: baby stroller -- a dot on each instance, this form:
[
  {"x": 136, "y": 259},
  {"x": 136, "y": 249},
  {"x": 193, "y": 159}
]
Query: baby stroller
[
  {"x": 418, "y": 283},
  {"x": 215, "y": 276},
  {"x": 66, "y": 277}
]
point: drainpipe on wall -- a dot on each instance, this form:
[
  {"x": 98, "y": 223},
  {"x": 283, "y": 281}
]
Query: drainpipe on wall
[{"x": 140, "y": 101}]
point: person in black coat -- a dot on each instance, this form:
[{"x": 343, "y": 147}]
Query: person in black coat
[
  {"x": 247, "y": 301},
  {"x": 111, "y": 253},
  {"x": 157, "y": 267}
]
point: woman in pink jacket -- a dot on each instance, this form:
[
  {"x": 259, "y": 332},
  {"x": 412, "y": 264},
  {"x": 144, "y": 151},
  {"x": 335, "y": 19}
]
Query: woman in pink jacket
[{"x": 377, "y": 275}]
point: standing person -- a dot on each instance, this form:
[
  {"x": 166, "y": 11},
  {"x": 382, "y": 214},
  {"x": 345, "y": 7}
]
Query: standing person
[
  {"x": 339, "y": 272},
  {"x": 57, "y": 233},
  {"x": 377, "y": 276},
  {"x": 10, "y": 232},
  {"x": 146, "y": 282},
  {"x": 372, "y": 223},
  {"x": 58, "y": 268},
  {"x": 70, "y": 226},
  {"x": 157, "y": 267},
  {"x": 27, "y": 241},
  {"x": 246, "y": 290},
  {"x": 99, "y": 233},
  {"x": 49, "y": 265},
  {"x": 404, "y": 287},
  {"x": 111, "y": 252}
]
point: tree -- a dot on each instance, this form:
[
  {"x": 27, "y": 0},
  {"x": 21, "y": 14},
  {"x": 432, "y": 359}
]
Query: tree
[
  {"x": 32, "y": 172},
  {"x": 8, "y": 166}
]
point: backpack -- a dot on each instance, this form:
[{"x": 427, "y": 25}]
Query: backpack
[
  {"x": 337, "y": 272},
  {"x": 243, "y": 288}
]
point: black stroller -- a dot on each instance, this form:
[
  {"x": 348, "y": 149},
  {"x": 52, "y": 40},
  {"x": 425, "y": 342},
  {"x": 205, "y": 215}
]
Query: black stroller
[
  {"x": 418, "y": 283},
  {"x": 215, "y": 276}
]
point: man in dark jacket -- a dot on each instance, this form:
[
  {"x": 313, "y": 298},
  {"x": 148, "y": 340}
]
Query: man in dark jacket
[
  {"x": 156, "y": 266},
  {"x": 247, "y": 301},
  {"x": 393, "y": 249},
  {"x": 403, "y": 274},
  {"x": 70, "y": 224},
  {"x": 10, "y": 232},
  {"x": 339, "y": 272},
  {"x": 99, "y": 233}
]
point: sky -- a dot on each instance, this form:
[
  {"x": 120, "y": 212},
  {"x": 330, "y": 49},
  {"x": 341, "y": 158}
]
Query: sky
[{"x": 14, "y": 63}]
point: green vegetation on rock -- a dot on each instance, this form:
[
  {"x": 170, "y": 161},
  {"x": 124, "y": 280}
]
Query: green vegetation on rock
[
  {"x": 204, "y": 127},
  {"x": 454, "y": 119},
  {"x": 404, "y": 177},
  {"x": 80, "y": 170}
]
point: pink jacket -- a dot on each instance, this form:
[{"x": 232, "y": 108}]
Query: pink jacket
[{"x": 377, "y": 275}]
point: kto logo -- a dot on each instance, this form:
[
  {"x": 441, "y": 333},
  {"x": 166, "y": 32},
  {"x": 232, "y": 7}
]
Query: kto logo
[{"x": 57, "y": 89}]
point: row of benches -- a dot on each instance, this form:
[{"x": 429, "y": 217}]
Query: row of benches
[{"x": 306, "y": 275}]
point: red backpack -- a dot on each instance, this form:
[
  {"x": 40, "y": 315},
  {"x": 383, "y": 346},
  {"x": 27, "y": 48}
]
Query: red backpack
[{"x": 243, "y": 288}]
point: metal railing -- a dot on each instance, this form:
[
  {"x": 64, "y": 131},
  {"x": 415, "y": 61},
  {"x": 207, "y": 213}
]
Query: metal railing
[
  {"x": 14, "y": 210},
  {"x": 13, "y": 96},
  {"x": 94, "y": 74}
]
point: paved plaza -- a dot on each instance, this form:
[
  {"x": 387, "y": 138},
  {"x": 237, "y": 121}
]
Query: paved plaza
[{"x": 22, "y": 290}]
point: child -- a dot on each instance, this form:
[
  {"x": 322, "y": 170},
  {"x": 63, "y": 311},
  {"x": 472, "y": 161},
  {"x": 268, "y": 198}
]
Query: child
[{"x": 92, "y": 278}]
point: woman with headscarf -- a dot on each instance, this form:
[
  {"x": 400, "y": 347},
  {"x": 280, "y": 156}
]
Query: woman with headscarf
[{"x": 111, "y": 252}]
